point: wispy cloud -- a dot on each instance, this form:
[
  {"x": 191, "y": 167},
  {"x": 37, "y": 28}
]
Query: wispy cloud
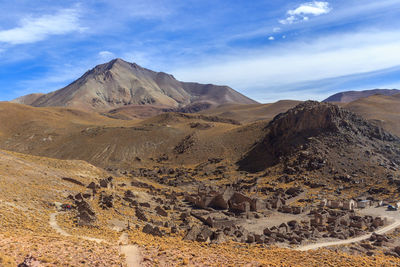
[
  {"x": 191, "y": 40},
  {"x": 106, "y": 55},
  {"x": 302, "y": 12},
  {"x": 58, "y": 77},
  {"x": 321, "y": 89},
  {"x": 298, "y": 62},
  {"x": 34, "y": 29}
]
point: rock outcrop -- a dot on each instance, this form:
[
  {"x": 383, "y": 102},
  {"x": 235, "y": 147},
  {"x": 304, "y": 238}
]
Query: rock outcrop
[{"x": 311, "y": 128}]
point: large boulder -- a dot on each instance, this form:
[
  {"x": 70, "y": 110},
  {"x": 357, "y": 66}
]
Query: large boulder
[
  {"x": 140, "y": 214},
  {"x": 397, "y": 250},
  {"x": 239, "y": 203},
  {"x": 293, "y": 191},
  {"x": 220, "y": 201},
  {"x": 199, "y": 201},
  {"x": 30, "y": 261},
  {"x": 204, "y": 235},
  {"x": 242, "y": 207},
  {"x": 160, "y": 211},
  {"x": 107, "y": 182},
  {"x": 192, "y": 233},
  {"x": 106, "y": 201},
  {"x": 86, "y": 216},
  {"x": 152, "y": 230},
  {"x": 218, "y": 237}
]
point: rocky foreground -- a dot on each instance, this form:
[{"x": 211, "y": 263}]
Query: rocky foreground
[{"x": 315, "y": 176}]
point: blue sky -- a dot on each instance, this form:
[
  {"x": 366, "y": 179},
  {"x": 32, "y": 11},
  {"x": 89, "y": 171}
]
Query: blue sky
[{"x": 268, "y": 50}]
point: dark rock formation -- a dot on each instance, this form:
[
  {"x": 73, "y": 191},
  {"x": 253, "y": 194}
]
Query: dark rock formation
[
  {"x": 312, "y": 126},
  {"x": 73, "y": 181},
  {"x": 152, "y": 230},
  {"x": 86, "y": 216},
  {"x": 106, "y": 201}
]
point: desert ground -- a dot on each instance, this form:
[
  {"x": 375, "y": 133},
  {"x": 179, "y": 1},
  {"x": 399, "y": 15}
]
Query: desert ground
[{"x": 170, "y": 173}]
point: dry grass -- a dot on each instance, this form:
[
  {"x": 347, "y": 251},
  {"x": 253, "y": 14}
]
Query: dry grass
[{"x": 30, "y": 184}]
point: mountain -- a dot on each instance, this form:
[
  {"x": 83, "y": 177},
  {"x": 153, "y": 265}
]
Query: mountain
[
  {"x": 66, "y": 133},
  {"x": 251, "y": 113},
  {"x": 239, "y": 112},
  {"x": 349, "y": 96},
  {"x": 119, "y": 84},
  {"x": 382, "y": 110},
  {"x": 27, "y": 99},
  {"x": 323, "y": 138}
]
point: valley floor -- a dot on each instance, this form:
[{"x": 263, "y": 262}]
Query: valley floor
[{"x": 31, "y": 225}]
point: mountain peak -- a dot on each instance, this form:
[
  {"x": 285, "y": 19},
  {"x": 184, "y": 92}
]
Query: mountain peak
[
  {"x": 121, "y": 62},
  {"x": 116, "y": 62},
  {"x": 119, "y": 83}
]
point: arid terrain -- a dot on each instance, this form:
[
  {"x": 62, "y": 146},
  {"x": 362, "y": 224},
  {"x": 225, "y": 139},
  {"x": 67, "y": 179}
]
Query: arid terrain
[{"x": 144, "y": 170}]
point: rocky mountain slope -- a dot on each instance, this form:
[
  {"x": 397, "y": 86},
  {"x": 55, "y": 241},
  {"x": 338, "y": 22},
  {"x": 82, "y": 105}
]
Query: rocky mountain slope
[
  {"x": 119, "y": 83},
  {"x": 27, "y": 99},
  {"x": 349, "y": 96},
  {"x": 76, "y": 134},
  {"x": 176, "y": 138},
  {"x": 324, "y": 139}
]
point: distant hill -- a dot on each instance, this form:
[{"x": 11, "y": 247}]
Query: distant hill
[
  {"x": 251, "y": 113},
  {"x": 67, "y": 133},
  {"x": 381, "y": 109},
  {"x": 239, "y": 112},
  {"x": 349, "y": 96},
  {"x": 27, "y": 99},
  {"x": 119, "y": 84}
]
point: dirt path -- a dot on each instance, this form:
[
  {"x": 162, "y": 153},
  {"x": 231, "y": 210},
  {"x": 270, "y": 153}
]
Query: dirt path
[
  {"x": 131, "y": 252},
  {"x": 132, "y": 255},
  {"x": 53, "y": 223},
  {"x": 383, "y": 230}
]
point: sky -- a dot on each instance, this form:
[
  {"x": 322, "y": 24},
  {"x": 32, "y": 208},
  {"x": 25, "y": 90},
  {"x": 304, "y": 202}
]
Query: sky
[{"x": 265, "y": 49}]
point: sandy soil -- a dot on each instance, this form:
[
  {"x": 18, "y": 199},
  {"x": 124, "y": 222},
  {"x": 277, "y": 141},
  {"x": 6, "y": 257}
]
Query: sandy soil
[{"x": 131, "y": 252}]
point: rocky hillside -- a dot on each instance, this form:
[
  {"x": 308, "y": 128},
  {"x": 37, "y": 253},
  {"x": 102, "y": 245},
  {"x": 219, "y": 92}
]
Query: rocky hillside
[
  {"x": 382, "y": 110},
  {"x": 119, "y": 83},
  {"x": 326, "y": 138},
  {"x": 27, "y": 99},
  {"x": 75, "y": 134},
  {"x": 349, "y": 96}
]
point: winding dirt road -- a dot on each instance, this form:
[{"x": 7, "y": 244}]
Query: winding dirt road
[
  {"x": 131, "y": 252},
  {"x": 388, "y": 228}
]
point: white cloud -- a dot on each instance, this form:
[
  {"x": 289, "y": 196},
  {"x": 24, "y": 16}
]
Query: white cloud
[
  {"x": 288, "y": 20},
  {"x": 311, "y": 8},
  {"x": 33, "y": 29},
  {"x": 271, "y": 38},
  {"x": 298, "y": 62},
  {"x": 106, "y": 55},
  {"x": 303, "y": 12},
  {"x": 276, "y": 29}
]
